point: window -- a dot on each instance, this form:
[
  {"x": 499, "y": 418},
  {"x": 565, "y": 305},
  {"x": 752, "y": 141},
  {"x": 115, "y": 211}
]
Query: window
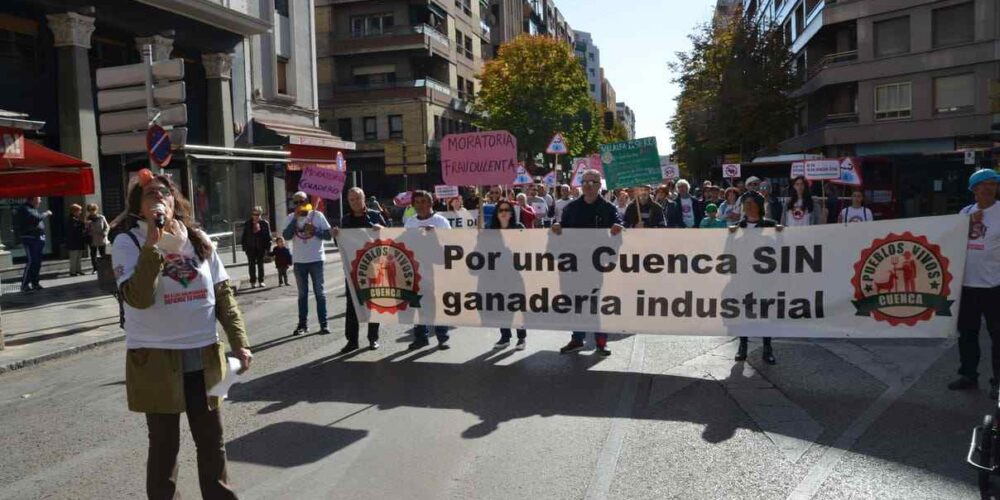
[
  {"x": 465, "y": 5},
  {"x": 955, "y": 94},
  {"x": 437, "y": 127},
  {"x": 461, "y": 88},
  {"x": 281, "y": 7},
  {"x": 282, "y": 75},
  {"x": 371, "y": 25},
  {"x": 375, "y": 80},
  {"x": 468, "y": 47},
  {"x": 593, "y": 73},
  {"x": 395, "y": 126},
  {"x": 590, "y": 56},
  {"x": 470, "y": 90},
  {"x": 593, "y": 88},
  {"x": 952, "y": 25},
  {"x": 345, "y": 129},
  {"x": 893, "y": 101},
  {"x": 458, "y": 40},
  {"x": 892, "y": 37},
  {"x": 371, "y": 128}
]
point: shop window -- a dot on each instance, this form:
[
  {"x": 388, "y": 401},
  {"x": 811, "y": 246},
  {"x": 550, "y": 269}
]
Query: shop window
[
  {"x": 892, "y": 37},
  {"x": 893, "y": 101},
  {"x": 952, "y": 25},
  {"x": 345, "y": 129},
  {"x": 371, "y": 25},
  {"x": 371, "y": 128},
  {"x": 395, "y": 126},
  {"x": 955, "y": 94}
]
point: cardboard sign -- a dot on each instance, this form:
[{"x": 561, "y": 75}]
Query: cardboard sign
[
  {"x": 550, "y": 179},
  {"x": 732, "y": 170},
  {"x": 850, "y": 173},
  {"x": 822, "y": 170},
  {"x": 557, "y": 146},
  {"x": 670, "y": 172},
  {"x": 523, "y": 178},
  {"x": 479, "y": 158},
  {"x": 631, "y": 163},
  {"x": 403, "y": 199},
  {"x": 445, "y": 192},
  {"x": 325, "y": 183},
  {"x": 798, "y": 169},
  {"x": 13, "y": 144}
]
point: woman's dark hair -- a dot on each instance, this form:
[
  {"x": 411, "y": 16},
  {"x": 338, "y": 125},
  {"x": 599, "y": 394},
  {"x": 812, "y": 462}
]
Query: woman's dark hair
[
  {"x": 420, "y": 193},
  {"x": 793, "y": 195},
  {"x": 495, "y": 220},
  {"x": 183, "y": 213}
]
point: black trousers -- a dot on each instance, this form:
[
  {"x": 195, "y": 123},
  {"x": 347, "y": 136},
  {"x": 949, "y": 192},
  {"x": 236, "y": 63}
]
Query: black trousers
[
  {"x": 255, "y": 260},
  {"x": 282, "y": 275},
  {"x": 164, "y": 443},
  {"x": 351, "y": 325},
  {"x": 976, "y": 303},
  {"x": 93, "y": 254}
]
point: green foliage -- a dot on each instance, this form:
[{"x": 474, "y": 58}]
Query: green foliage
[
  {"x": 535, "y": 88},
  {"x": 734, "y": 97}
]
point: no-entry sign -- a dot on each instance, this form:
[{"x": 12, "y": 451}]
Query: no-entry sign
[{"x": 158, "y": 145}]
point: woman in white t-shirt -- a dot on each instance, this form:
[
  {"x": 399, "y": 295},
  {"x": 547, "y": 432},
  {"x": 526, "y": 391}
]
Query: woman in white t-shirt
[
  {"x": 174, "y": 289},
  {"x": 857, "y": 211},
  {"x": 799, "y": 210}
]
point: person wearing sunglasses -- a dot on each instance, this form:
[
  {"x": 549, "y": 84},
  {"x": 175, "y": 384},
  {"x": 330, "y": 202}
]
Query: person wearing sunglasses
[
  {"x": 504, "y": 218},
  {"x": 590, "y": 211},
  {"x": 256, "y": 243},
  {"x": 308, "y": 229}
]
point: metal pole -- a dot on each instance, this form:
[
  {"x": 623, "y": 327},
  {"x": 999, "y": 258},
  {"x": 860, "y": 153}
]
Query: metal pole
[
  {"x": 234, "y": 242},
  {"x": 147, "y": 61}
]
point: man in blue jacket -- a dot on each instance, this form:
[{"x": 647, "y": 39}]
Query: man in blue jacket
[
  {"x": 590, "y": 211},
  {"x": 31, "y": 228}
]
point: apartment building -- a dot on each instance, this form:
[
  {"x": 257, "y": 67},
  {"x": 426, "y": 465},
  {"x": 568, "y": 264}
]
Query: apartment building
[
  {"x": 395, "y": 76},
  {"x": 512, "y": 18},
  {"x": 590, "y": 57},
  {"x": 608, "y": 102},
  {"x": 908, "y": 87},
  {"x": 627, "y": 117}
]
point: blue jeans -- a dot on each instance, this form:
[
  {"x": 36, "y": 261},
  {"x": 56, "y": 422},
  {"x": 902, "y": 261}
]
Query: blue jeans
[
  {"x": 33, "y": 248},
  {"x": 303, "y": 271},
  {"x": 422, "y": 331},
  {"x": 600, "y": 338}
]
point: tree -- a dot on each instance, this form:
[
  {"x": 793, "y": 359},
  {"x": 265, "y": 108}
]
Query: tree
[
  {"x": 735, "y": 84},
  {"x": 534, "y": 88}
]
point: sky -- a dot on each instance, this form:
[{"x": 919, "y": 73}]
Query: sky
[{"x": 637, "y": 39}]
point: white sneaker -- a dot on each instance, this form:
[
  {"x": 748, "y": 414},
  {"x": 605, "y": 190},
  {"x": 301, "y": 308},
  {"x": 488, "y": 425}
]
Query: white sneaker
[
  {"x": 503, "y": 344},
  {"x": 521, "y": 345}
]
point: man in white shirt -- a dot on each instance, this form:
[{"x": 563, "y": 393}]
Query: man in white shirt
[
  {"x": 307, "y": 229},
  {"x": 538, "y": 204},
  {"x": 425, "y": 219},
  {"x": 564, "y": 199},
  {"x": 981, "y": 288}
]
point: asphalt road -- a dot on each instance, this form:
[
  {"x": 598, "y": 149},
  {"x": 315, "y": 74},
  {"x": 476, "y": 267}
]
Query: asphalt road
[{"x": 664, "y": 417}]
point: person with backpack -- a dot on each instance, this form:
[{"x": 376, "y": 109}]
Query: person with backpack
[
  {"x": 30, "y": 223},
  {"x": 857, "y": 211},
  {"x": 97, "y": 234},
  {"x": 175, "y": 289}
]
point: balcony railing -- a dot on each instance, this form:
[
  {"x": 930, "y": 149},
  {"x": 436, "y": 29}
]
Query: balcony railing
[
  {"x": 429, "y": 83},
  {"x": 837, "y": 57},
  {"x": 835, "y": 118}
]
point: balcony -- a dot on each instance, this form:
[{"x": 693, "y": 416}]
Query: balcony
[
  {"x": 423, "y": 88},
  {"x": 830, "y": 59},
  {"x": 421, "y": 37}
]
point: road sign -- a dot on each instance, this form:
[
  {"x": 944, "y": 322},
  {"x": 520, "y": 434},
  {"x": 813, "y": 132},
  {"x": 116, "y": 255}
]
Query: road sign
[
  {"x": 523, "y": 178},
  {"x": 731, "y": 170},
  {"x": 631, "y": 163},
  {"x": 137, "y": 119},
  {"x": 135, "y": 142},
  {"x": 158, "y": 145},
  {"x": 341, "y": 162},
  {"x": 135, "y": 97},
  {"x": 670, "y": 171},
  {"x": 135, "y": 74},
  {"x": 970, "y": 157},
  {"x": 557, "y": 146}
]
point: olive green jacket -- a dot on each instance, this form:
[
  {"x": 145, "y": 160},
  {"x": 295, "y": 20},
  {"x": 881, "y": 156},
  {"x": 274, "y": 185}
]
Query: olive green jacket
[{"x": 154, "y": 378}]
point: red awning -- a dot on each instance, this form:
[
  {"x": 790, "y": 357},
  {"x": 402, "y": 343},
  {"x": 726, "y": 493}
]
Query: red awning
[
  {"x": 304, "y": 156},
  {"x": 35, "y": 170}
]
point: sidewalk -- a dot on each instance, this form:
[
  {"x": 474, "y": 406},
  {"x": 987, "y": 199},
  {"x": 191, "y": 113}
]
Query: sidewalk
[{"x": 71, "y": 314}]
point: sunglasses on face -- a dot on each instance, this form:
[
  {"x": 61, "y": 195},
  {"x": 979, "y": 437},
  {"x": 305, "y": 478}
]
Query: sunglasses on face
[
  {"x": 152, "y": 193},
  {"x": 297, "y": 202},
  {"x": 505, "y": 211},
  {"x": 255, "y": 215}
]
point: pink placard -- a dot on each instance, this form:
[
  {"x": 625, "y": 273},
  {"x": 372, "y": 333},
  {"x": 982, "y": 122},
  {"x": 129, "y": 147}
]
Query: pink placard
[
  {"x": 479, "y": 158},
  {"x": 323, "y": 182}
]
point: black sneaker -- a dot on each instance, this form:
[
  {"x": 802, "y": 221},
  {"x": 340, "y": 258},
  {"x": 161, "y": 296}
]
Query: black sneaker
[
  {"x": 521, "y": 345},
  {"x": 768, "y": 356},
  {"x": 373, "y": 345},
  {"x": 572, "y": 346},
  {"x": 299, "y": 330},
  {"x": 325, "y": 331},
  {"x": 37, "y": 286},
  {"x": 443, "y": 345},
  {"x": 349, "y": 348},
  {"x": 502, "y": 344},
  {"x": 994, "y": 392},
  {"x": 418, "y": 344},
  {"x": 603, "y": 351},
  {"x": 963, "y": 384}
]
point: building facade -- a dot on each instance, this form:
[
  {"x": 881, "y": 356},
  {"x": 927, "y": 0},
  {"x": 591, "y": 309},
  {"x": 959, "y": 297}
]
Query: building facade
[
  {"x": 627, "y": 118},
  {"x": 906, "y": 86},
  {"x": 396, "y": 76},
  {"x": 590, "y": 57}
]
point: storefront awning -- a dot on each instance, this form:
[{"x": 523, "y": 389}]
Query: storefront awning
[
  {"x": 299, "y": 135},
  {"x": 30, "y": 169},
  {"x": 219, "y": 153}
]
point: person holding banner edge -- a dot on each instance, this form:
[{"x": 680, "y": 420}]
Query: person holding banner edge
[
  {"x": 981, "y": 287},
  {"x": 359, "y": 216},
  {"x": 425, "y": 218},
  {"x": 753, "y": 217},
  {"x": 503, "y": 218},
  {"x": 590, "y": 211}
]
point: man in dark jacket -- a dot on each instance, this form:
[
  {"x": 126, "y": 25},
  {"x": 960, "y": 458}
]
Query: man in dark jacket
[
  {"x": 590, "y": 211},
  {"x": 359, "y": 216},
  {"x": 644, "y": 212},
  {"x": 752, "y": 203},
  {"x": 30, "y": 225},
  {"x": 685, "y": 211},
  {"x": 256, "y": 244}
]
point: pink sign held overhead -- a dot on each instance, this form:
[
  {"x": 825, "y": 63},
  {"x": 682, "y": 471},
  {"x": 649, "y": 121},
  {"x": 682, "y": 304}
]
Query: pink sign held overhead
[
  {"x": 479, "y": 158},
  {"x": 325, "y": 183}
]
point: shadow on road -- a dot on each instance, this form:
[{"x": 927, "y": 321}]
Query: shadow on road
[{"x": 303, "y": 444}]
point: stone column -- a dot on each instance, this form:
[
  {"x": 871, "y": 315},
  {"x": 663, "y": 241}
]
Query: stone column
[
  {"x": 77, "y": 116},
  {"x": 218, "y": 72},
  {"x": 162, "y": 46}
]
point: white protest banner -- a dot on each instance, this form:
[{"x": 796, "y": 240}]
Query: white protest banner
[
  {"x": 732, "y": 171},
  {"x": 822, "y": 170},
  {"x": 445, "y": 192},
  {"x": 885, "y": 279},
  {"x": 462, "y": 219},
  {"x": 798, "y": 169}
]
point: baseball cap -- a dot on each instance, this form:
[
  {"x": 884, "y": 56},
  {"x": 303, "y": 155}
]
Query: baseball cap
[
  {"x": 983, "y": 175},
  {"x": 711, "y": 207},
  {"x": 753, "y": 179},
  {"x": 300, "y": 195}
]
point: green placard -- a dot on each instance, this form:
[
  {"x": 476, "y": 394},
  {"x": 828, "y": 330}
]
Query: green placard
[{"x": 631, "y": 163}]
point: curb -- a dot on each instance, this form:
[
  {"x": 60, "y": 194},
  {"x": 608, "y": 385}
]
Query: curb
[{"x": 37, "y": 360}]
